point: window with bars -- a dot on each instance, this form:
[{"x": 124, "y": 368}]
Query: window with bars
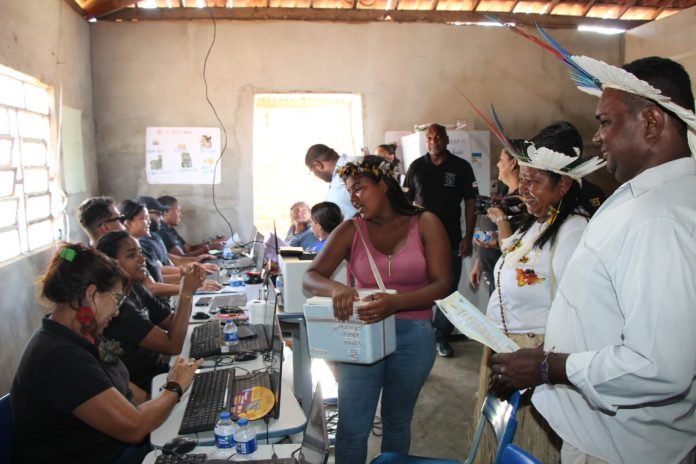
[{"x": 27, "y": 188}]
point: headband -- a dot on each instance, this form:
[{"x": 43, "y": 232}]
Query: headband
[
  {"x": 358, "y": 166},
  {"x": 593, "y": 76},
  {"x": 541, "y": 158}
]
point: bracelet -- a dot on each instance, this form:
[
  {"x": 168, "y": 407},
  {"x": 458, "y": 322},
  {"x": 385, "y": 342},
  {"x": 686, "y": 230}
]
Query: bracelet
[
  {"x": 499, "y": 218},
  {"x": 188, "y": 297},
  {"x": 544, "y": 367}
]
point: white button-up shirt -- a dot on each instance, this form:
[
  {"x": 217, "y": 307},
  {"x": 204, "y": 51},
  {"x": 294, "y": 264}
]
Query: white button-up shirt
[
  {"x": 338, "y": 194},
  {"x": 626, "y": 310}
]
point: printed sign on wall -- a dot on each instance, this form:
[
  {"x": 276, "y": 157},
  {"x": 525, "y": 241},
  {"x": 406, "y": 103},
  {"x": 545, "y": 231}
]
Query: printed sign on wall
[{"x": 182, "y": 155}]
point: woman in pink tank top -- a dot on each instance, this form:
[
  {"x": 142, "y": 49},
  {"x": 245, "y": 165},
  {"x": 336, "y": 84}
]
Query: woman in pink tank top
[{"x": 411, "y": 252}]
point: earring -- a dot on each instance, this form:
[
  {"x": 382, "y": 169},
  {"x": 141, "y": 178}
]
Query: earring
[
  {"x": 85, "y": 315},
  {"x": 553, "y": 213}
]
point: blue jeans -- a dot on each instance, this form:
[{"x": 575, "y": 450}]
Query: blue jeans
[
  {"x": 443, "y": 327},
  {"x": 400, "y": 377}
]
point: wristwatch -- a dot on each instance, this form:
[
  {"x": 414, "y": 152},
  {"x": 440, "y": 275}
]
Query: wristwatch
[{"x": 173, "y": 387}]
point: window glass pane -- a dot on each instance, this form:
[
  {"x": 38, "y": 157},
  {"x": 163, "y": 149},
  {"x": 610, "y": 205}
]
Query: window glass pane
[
  {"x": 40, "y": 234},
  {"x": 9, "y": 244},
  {"x": 8, "y": 212},
  {"x": 7, "y": 183},
  {"x": 11, "y": 92},
  {"x": 35, "y": 180},
  {"x": 38, "y": 207},
  {"x": 4, "y": 122},
  {"x": 32, "y": 125},
  {"x": 5, "y": 152},
  {"x": 36, "y": 98},
  {"x": 33, "y": 153}
]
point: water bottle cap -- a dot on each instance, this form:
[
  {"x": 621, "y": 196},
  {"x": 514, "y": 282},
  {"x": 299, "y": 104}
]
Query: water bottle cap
[
  {"x": 224, "y": 415},
  {"x": 242, "y": 421}
]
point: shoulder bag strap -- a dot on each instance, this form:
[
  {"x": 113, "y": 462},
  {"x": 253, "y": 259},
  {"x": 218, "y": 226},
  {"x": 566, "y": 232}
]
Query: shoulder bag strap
[{"x": 373, "y": 266}]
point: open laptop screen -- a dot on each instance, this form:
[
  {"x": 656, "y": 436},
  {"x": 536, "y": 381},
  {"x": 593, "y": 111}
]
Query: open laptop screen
[{"x": 315, "y": 444}]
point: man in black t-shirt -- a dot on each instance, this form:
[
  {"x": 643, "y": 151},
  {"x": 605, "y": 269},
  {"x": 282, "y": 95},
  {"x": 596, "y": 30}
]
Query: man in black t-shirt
[{"x": 439, "y": 181}]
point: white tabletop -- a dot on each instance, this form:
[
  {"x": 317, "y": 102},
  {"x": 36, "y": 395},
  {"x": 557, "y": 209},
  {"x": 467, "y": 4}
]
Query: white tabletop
[
  {"x": 263, "y": 452},
  {"x": 290, "y": 422}
]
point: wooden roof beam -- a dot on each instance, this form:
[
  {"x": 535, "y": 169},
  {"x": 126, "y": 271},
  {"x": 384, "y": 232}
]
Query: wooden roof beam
[
  {"x": 99, "y": 8},
  {"x": 361, "y": 16},
  {"x": 627, "y": 5}
]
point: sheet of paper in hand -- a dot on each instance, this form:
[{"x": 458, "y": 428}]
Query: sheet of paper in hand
[{"x": 473, "y": 323}]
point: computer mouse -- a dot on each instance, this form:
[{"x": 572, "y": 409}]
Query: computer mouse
[
  {"x": 200, "y": 315},
  {"x": 179, "y": 445},
  {"x": 245, "y": 356}
]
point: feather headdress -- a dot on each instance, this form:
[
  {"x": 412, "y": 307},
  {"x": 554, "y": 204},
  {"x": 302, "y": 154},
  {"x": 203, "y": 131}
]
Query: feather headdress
[
  {"x": 592, "y": 76},
  {"x": 541, "y": 157}
]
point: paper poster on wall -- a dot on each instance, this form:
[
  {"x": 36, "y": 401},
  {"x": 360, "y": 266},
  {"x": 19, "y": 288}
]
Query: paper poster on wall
[
  {"x": 72, "y": 152},
  {"x": 182, "y": 155}
]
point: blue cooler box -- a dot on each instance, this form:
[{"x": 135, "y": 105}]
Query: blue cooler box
[{"x": 351, "y": 341}]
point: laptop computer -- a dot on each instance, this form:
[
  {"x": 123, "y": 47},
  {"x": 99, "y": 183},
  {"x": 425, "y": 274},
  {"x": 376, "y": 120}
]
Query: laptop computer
[
  {"x": 207, "y": 339},
  {"x": 315, "y": 442},
  {"x": 213, "y": 391}
]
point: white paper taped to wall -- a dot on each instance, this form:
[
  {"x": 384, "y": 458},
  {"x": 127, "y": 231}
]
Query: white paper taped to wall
[{"x": 474, "y": 324}]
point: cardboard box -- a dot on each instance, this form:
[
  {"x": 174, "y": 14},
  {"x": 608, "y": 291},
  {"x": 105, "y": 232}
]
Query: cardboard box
[{"x": 351, "y": 341}]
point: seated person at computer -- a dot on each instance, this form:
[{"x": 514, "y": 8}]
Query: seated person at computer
[
  {"x": 145, "y": 328},
  {"x": 99, "y": 215},
  {"x": 174, "y": 242},
  {"x": 152, "y": 244},
  {"x": 326, "y": 216},
  {"x": 71, "y": 397},
  {"x": 162, "y": 281},
  {"x": 300, "y": 233},
  {"x": 410, "y": 249}
]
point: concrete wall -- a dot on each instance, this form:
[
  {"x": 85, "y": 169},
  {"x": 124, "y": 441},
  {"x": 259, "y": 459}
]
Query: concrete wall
[
  {"x": 49, "y": 41},
  {"x": 150, "y": 74},
  {"x": 672, "y": 37}
]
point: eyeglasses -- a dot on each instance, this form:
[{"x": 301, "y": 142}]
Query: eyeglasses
[
  {"x": 119, "y": 297},
  {"x": 120, "y": 219}
]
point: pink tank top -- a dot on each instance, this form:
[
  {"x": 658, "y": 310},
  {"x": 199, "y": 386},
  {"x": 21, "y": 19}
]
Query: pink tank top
[{"x": 405, "y": 271}]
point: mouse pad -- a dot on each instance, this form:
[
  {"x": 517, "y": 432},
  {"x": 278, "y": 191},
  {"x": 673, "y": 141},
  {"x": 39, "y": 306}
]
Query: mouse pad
[{"x": 256, "y": 402}]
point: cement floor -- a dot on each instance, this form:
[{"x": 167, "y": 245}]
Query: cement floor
[{"x": 444, "y": 417}]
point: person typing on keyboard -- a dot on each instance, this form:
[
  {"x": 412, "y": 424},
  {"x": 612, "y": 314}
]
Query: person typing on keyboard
[
  {"x": 146, "y": 328},
  {"x": 72, "y": 401}
]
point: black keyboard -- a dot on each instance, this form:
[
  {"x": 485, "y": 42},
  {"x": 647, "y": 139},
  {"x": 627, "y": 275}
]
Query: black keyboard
[
  {"x": 209, "y": 396},
  {"x": 206, "y": 340},
  {"x": 187, "y": 459},
  {"x": 213, "y": 392}
]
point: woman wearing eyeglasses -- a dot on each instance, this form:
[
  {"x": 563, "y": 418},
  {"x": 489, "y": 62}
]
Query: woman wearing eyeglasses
[
  {"x": 71, "y": 401},
  {"x": 146, "y": 328}
]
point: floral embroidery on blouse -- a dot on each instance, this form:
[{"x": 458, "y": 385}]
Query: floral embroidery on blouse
[{"x": 527, "y": 277}]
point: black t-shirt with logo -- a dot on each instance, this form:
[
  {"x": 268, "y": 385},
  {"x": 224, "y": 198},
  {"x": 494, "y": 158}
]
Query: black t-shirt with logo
[{"x": 441, "y": 189}]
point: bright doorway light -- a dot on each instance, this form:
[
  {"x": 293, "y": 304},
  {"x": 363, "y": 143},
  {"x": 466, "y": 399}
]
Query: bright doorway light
[{"x": 285, "y": 126}]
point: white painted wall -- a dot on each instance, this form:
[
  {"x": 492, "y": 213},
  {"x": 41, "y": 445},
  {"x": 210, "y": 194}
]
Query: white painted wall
[
  {"x": 672, "y": 37},
  {"x": 150, "y": 74},
  {"x": 49, "y": 41}
]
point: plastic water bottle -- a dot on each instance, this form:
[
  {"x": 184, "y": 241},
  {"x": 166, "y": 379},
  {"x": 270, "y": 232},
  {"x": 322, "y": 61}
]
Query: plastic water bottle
[
  {"x": 224, "y": 431},
  {"x": 230, "y": 333},
  {"x": 245, "y": 436},
  {"x": 226, "y": 253},
  {"x": 482, "y": 236}
]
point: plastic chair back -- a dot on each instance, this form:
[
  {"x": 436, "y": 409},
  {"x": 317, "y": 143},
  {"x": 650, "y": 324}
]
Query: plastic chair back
[
  {"x": 5, "y": 430},
  {"x": 514, "y": 455},
  {"x": 500, "y": 415},
  {"x": 391, "y": 457}
]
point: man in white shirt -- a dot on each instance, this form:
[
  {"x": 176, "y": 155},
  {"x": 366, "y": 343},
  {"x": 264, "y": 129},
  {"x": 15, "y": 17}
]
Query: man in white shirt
[
  {"x": 324, "y": 162},
  {"x": 617, "y": 374}
]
